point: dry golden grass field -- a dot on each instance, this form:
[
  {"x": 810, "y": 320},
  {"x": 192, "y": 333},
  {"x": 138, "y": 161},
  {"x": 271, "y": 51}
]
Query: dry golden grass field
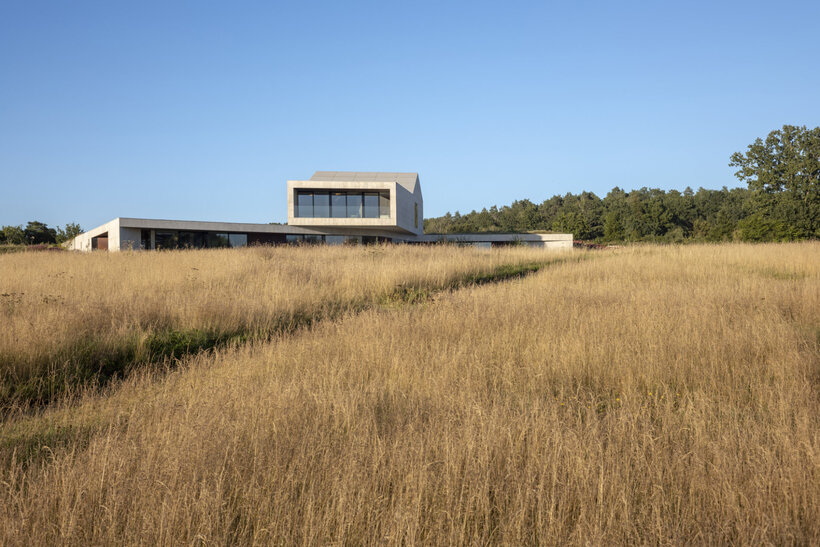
[
  {"x": 660, "y": 395},
  {"x": 67, "y": 317}
]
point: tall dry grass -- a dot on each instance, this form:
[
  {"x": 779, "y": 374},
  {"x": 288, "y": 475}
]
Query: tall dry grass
[
  {"x": 73, "y": 313},
  {"x": 663, "y": 395}
]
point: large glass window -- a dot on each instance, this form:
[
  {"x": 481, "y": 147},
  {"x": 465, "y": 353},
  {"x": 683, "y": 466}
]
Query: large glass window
[
  {"x": 315, "y": 239},
  {"x": 304, "y": 204},
  {"x": 338, "y": 205},
  {"x": 321, "y": 205},
  {"x": 305, "y": 239},
  {"x": 384, "y": 204},
  {"x": 216, "y": 240},
  {"x": 200, "y": 240},
  {"x": 145, "y": 239},
  {"x": 192, "y": 240},
  {"x": 165, "y": 240},
  {"x": 186, "y": 240},
  {"x": 354, "y": 206},
  {"x": 315, "y": 204},
  {"x": 238, "y": 240},
  {"x": 371, "y": 205}
]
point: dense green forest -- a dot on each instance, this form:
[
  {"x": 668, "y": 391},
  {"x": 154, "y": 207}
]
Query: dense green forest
[{"x": 781, "y": 202}]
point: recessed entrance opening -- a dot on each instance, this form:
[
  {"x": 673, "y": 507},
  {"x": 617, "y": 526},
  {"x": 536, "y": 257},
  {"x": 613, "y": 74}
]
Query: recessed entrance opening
[{"x": 100, "y": 243}]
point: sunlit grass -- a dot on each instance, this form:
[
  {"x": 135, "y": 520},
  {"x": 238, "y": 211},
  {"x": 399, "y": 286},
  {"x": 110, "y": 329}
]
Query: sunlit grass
[
  {"x": 69, "y": 318},
  {"x": 659, "y": 395}
]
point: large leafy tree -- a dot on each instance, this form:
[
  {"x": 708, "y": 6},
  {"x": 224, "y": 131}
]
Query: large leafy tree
[
  {"x": 70, "y": 231},
  {"x": 39, "y": 232},
  {"x": 782, "y": 202},
  {"x": 783, "y": 171},
  {"x": 12, "y": 235}
]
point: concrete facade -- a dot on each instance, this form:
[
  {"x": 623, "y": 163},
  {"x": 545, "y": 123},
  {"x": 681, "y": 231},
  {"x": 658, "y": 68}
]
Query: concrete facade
[
  {"x": 406, "y": 202},
  {"x": 403, "y": 224},
  {"x": 117, "y": 237},
  {"x": 547, "y": 241}
]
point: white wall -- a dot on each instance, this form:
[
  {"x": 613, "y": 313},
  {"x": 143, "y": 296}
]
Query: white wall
[
  {"x": 405, "y": 209},
  {"x": 401, "y": 206},
  {"x": 83, "y": 241}
]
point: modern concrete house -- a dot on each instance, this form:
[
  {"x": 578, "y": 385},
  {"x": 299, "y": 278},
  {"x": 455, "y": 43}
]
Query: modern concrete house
[
  {"x": 332, "y": 207},
  {"x": 362, "y": 201}
]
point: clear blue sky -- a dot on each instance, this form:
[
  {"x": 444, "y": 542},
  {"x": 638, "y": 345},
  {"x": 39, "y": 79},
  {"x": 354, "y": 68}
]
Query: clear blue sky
[{"x": 202, "y": 110}]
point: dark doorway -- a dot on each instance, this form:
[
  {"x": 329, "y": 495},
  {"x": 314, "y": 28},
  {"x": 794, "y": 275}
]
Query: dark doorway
[{"x": 100, "y": 243}]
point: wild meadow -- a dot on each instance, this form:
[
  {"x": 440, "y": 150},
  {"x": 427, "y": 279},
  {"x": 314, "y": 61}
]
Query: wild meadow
[
  {"x": 70, "y": 319},
  {"x": 651, "y": 394}
]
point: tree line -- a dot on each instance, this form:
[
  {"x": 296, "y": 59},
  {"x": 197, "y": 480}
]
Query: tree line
[
  {"x": 780, "y": 203},
  {"x": 38, "y": 233}
]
